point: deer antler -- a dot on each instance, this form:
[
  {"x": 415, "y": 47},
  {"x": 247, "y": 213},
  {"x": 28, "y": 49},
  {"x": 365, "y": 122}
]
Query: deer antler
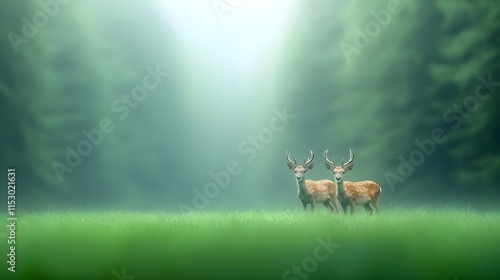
[
  {"x": 308, "y": 164},
  {"x": 349, "y": 164},
  {"x": 310, "y": 159},
  {"x": 329, "y": 163},
  {"x": 291, "y": 164}
]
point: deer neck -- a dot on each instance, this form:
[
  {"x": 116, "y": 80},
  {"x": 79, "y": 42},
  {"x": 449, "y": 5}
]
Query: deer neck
[
  {"x": 340, "y": 188},
  {"x": 301, "y": 185}
]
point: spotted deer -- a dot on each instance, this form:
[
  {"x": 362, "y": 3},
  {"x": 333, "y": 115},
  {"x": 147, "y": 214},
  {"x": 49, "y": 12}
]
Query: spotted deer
[
  {"x": 353, "y": 193},
  {"x": 309, "y": 191}
]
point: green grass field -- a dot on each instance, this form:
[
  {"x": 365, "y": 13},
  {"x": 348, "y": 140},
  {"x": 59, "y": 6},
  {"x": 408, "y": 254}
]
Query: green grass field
[{"x": 396, "y": 244}]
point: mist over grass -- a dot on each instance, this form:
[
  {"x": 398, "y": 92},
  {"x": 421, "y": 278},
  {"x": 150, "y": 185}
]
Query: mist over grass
[{"x": 396, "y": 244}]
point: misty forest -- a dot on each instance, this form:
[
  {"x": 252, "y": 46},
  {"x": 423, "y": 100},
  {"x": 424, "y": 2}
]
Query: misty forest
[
  {"x": 222, "y": 74},
  {"x": 154, "y": 139}
]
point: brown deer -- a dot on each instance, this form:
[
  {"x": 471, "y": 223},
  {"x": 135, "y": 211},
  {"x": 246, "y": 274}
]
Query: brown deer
[
  {"x": 309, "y": 191},
  {"x": 353, "y": 193}
]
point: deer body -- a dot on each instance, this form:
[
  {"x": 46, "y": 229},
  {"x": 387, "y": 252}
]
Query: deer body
[
  {"x": 358, "y": 193},
  {"x": 310, "y": 191},
  {"x": 353, "y": 193}
]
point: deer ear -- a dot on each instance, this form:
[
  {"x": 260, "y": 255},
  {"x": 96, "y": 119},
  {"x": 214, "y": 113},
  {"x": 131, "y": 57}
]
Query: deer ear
[
  {"x": 309, "y": 166},
  {"x": 291, "y": 165},
  {"x": 349, "y": 167},
  {"x": 328, "y": 166}
]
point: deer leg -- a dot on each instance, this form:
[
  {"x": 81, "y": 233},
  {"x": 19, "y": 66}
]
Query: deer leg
[
  {"x": 342, "y": 203},
  {"x": 328, "y": 205},
  {"x": 368, "y": 208},
  {"x": 344, "y": 208},
  {"x": 336, "y": 204},
  {"x": 313, "y": 204},
  {"x": 375, "y": 203},
  {"x": 305, "y": 205},
  {"x": 353, "y": 205}
]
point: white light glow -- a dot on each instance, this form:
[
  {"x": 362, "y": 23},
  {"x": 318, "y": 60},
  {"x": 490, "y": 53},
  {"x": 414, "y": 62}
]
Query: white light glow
[
  {"x": 236, "y": 37},
  {"x": 226, "y": 60}
]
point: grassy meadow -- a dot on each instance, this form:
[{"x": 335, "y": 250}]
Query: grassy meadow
[{"x": 395, "y": 244}]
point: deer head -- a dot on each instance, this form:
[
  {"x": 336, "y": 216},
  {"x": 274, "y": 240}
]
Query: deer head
[
  {"x": 339, "y": 171},
  {"x": 299, "y": 170}
]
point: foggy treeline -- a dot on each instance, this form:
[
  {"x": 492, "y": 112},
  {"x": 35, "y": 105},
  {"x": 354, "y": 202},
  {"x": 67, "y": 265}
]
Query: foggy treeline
[{"x": 376, "y": 94}]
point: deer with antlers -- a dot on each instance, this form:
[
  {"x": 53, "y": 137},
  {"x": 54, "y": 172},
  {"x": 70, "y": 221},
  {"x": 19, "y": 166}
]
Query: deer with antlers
[
  {"x": 309, "y": 191},
  {"x": 353, "y": 193}
]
